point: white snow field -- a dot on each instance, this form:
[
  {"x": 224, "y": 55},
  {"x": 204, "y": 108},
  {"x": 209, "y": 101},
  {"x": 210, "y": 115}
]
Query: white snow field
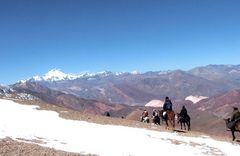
[{"x": 25, "y": 122}]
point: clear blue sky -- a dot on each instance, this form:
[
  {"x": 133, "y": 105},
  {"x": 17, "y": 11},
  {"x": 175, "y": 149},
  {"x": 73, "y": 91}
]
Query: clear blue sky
[{"x": 115, "y": 35}]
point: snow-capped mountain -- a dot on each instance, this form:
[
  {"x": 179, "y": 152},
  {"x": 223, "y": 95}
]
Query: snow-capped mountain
[
  {"x": 5, "y": 90},
  {"x": 55, "y": 75},
  {"x": 58, "y": 75},
  {"x": 8, "y": 92}
]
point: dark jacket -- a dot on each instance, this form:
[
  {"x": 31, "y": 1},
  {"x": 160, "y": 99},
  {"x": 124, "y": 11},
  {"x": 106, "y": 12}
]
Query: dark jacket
[
  {"x": 235, "y": 115},
  {"x": 167, "y": 105},
  {"x": 183, "y": 112}
]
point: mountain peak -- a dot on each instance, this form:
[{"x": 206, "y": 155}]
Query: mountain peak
[
  {"x": 55, "y": 75},
  {"x": 58, "y": 75}
]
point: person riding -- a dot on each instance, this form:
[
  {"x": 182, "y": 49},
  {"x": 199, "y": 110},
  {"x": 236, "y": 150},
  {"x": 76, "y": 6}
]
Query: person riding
[
  {"x": 144, "y": 117},
  {"x": 183, "y": 112},
  {"x": 145, "y": 113},
  {"x": 235, "y": 114},
  {"x": 167, "y": 106},
  {"x": 155, "y": 112},
  {"x": 234, "y": 118}
]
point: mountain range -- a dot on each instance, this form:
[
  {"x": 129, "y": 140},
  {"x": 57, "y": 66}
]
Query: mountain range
[{"x": 140, "y": 88}]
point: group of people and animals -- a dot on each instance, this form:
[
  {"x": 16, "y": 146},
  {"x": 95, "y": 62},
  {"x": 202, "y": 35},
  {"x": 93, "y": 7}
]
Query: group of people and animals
[
  {"x": 168, "y": 115},
  {"x": 233, "y": 123}
]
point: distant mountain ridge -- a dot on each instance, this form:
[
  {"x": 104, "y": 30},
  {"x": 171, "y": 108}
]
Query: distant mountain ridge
[
  {"x": 140, "y": 88},
  {"x": 58, "y": 75}
]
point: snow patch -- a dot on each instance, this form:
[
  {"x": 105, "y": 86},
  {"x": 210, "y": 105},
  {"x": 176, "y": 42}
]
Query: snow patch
[
  {"x": 234, "y": 71},
  {"x": 195, "y": 99},
  {"x": 164, "y": 72},
  {"x": 22, "y": 81},
  {"x": 24, "y": 96},
  {"x": 75, "y": 88},
  {"x": 37, "y": 78},
  {"x": 102, "y": 91},
  {"x": 155, "y": 103}
]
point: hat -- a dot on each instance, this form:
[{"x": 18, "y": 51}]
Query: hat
[{"x": 235, "y": 108}]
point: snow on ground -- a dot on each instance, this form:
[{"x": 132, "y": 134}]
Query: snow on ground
[{"x": 27, "y": 122}]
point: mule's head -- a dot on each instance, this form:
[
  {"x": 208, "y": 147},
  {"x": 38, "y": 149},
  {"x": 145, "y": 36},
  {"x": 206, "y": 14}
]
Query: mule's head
[{"x": 227, "y": 120}]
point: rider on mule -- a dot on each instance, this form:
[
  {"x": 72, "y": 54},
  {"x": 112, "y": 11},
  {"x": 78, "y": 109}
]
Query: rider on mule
[
  {"x": 183, "y": 112},
  {"x": 235, "y": 114},
  {"x": 234, "y": 118},
  {"x": 167, "y": 106},
  {"x": 233, "y": 123},
  {"x": 145, "y": 113}
]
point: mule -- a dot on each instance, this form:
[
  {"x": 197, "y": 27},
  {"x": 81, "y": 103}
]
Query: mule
[
  {"x": 184, "y": 120},
  {"x": 156, "y": 119},
  {"x": 234, "y": 126},
  {"x": 169, "y": 118},
  {"x": 145, "y": 119}
]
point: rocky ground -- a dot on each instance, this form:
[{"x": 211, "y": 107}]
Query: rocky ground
[{"x": 9, "y": 147}]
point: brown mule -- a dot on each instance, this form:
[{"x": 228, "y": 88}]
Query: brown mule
[{"x": 169, "y": 118}]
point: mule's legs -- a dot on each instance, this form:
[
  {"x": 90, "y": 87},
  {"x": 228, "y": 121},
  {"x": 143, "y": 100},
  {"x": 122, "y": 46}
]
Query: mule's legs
[
  {"x": 188, "y": 124},
  {"x": 166, "y": 123},
  {"x": 233, "y": 135},
  {"x": 181, "y": 124},
  {"x": 174, "y": 121},
  {"x": 148, "y": 120}
]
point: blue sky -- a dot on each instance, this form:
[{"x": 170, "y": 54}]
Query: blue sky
[{"x": 115, "y": 35}]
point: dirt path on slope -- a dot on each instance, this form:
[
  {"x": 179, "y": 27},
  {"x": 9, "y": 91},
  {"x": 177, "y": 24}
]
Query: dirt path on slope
[{"x": 9, "y": 147}]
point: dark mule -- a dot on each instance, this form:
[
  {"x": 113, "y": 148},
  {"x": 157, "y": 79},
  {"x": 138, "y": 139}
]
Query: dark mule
[
  {"x": 234, "y": 126},
  {"x": 184, "y": 120},
  {"x": 169, "y": 117},
  {"x": 156, "y": 119}
]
